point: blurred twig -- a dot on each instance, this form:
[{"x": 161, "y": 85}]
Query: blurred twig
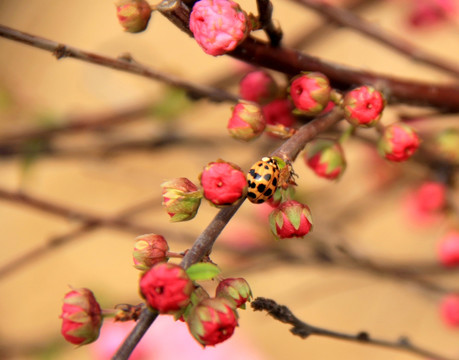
[
  {"x": 347, "y": 18},
  {"x": 304, "y": 330}
]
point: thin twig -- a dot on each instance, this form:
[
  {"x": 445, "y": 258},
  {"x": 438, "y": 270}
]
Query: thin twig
[
  {"x": 265, "y": 11},
  {"x": 124, "y": 64},
  {"x": 347, "y": 18},
  {"x": 303, "y": 330}
]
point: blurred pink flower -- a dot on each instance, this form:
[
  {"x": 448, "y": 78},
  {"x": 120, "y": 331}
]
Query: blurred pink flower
[{"x": 168, "y": 339}]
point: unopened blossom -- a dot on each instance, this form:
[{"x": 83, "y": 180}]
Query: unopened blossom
[
  {"x": 181, "y": 198},
  {"x": 363, "y": 106},
  {"x": 258, "y": 86},
  {"x": 224, "y": 183},
  {"x": 399, "y": 142},
  {"x": 448, "y": 249},
  {"x": 310, "y": 92},
  {"x": 149, "y": 250},
  {"x": 166, "y": 287},
  {"x": 133, "y": 15},
  {"x": 81, "y": 317},
  {"x": 212, "y": 321},
  {"x": 279, "y": 117},
  {"x": 449, "y": 310},
  {"x": 247, "y": 121},
  {"x": 235, "y": 289},
  {"x": 218, "y": 26},
  {"x": 325, "y": 158},
  {"x": 290, "y": 219}
]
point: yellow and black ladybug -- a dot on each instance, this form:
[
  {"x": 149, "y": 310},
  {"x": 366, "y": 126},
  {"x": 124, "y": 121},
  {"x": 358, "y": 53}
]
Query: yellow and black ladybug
[{"x": 262, "y": 180}]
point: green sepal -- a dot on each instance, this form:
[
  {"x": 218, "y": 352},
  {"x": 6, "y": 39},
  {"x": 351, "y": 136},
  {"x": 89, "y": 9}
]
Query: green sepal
[
  {"x": 202, "y": 271},
  {"x": 293, "y": 214}
]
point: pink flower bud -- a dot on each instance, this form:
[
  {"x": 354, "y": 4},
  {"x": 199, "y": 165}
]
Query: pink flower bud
[
  {"x": 235, "y": 289},
  {"x": 431, "y": 12},
  {"x": 212, "y": 321},
  {"x": 290, "y": 219},
  {"x": 310, "y": 92},
  {"x": 278, "y": 115},
  {"x": 448, "y": 249},
  {"x": 247, "y": 121},
  {"x": 446, "y": 145},
  {"x": 149, "y": 250},
  {"x": 326, "y": 158},
  {"x": 224, "y": 183},
  {"x": 133, "y": 15},
  {"x": 181, "y": 198},
  {"x": 431, "y": 196},
  {"x": 258, "y": 86},
  {"x": 449, "y": 310},
  {"x": 398, "y": 142},
  {"x": 81, "y": 317},
  {"x": 363, "y": 106},
  {"x": 166, "y": 287},
  {"x": 218, "y": 25}
]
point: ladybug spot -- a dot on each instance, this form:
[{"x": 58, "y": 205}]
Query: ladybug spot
[
  {"x": 252, "y": 172},
  {"x": 257, "y": 177},
  {"x": 267, "y": 177},
  {"x": 259, "y": 201},
  {"x": 251, "y": 195},
  {"x": 268, "y": 193},
  {"x": 252, "y": 185},
  {"x": 261, "y": 188},
  {"x": 274, "y": 182},
  {"x": 267, "y": 167}
]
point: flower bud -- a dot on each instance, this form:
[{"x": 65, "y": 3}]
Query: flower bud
[
  {"x": 166, "y": 287},
  {"x": 133, "y": 15},
  {"x": 258, "y": 86},
  {"x": 224, "y": 183},
  {"x": 278, "y": 114},
  {"x": 446, "y": 145},
  {"x": 449, "y": 310},
  {"x": 149, "y": 250},
  {"x": 448, "y": 249},
  {"x": 235, "y": 289},
  {"x": 363, "y": 106},
  {"x": 290, "y": 219},
  {"x": 218, "y": 26},
  {"x": 247, "y": 121},
  {"x": 310, "y": 92},
  {"x": 399, "y": 142},
  {"x": 212, "y": 321},
  {"x": 181, "y": 198},
  {"x": 326, "y": 158},
  {"x": 81, "y": 317},
  {"x": 427, "y": 13}
]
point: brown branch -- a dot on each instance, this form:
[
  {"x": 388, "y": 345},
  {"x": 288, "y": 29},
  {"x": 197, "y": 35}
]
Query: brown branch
[
  {"x": 265, "y": 10},
  {"x": 292, "y": 62},
  {"x": 303, "y": 330},
  {"x": 124, "y": 64},
  {"x": 346, "y": 18}
]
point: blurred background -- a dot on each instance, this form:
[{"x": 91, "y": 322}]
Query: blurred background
[{"x": 117, "y": 169}]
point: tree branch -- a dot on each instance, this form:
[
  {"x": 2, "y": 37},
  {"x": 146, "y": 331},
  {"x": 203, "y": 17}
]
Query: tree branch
[
  {"x": 346, "y": 18},
  {"x": 303, "y": 330}
]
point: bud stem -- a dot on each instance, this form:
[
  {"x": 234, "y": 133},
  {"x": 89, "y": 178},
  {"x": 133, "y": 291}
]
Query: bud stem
[
  {"x": 346, "y": 134},
  {"x": 171, "y": 254}
]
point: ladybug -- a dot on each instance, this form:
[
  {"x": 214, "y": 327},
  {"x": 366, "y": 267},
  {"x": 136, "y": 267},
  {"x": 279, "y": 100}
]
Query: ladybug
[{"x": 263, "y": 179}]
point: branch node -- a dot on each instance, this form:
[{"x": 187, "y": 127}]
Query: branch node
[{"x": 61, "y": 51}]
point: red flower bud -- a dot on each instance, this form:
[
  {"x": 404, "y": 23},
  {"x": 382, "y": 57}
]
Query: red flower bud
[
  {"x": 212, "y": 321},
  {"x": 310, "y": 92},
  {"x": 149, "y": 250},
  {"x": 449, "y": 310},
  {"x": 234, "y": 289},
  {"x": 258, "y": 86},
  {"x": 247, "y": 121},
  {"x": 290, "y": 219},
  {"x": 224, "y": 183},
  {"x": 81, "y": 317},
  {"x": 398, "y": 142},
  {"x": 448, "y": 249},
  {"x": 218, "y": 25},
  {"x": 326, "y": 158},
  {"x": 166, "y": 287},
  {"x": 431, "y": 12},
  {"x": 363, "y": 106},
  {"x": 133, "y": 15},
  {"x": 279, "y": 117},
  {"x": 181, "y": 198}
]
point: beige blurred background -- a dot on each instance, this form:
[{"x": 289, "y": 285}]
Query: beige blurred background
[{"x": 38, "y": 88}]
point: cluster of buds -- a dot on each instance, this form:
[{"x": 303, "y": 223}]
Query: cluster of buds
[{"x": 219, "y": 26}]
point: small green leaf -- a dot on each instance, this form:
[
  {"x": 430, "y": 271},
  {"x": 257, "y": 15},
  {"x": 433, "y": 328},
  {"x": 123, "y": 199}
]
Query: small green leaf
[{"x": 202, "y": 271}]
